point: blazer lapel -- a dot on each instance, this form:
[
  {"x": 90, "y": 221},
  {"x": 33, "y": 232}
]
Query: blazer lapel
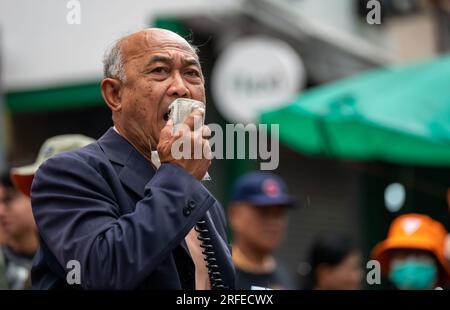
[
  {"x": 135, "y": 170},
  {"x": 136, "y": 173}
]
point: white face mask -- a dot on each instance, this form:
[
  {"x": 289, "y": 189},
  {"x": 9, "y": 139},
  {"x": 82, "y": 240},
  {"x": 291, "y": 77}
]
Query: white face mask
[{"x": 414, "y": 272}]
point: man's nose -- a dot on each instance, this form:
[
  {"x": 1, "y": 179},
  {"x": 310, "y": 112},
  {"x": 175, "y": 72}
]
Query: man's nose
[{"x": 178, "y": 87}]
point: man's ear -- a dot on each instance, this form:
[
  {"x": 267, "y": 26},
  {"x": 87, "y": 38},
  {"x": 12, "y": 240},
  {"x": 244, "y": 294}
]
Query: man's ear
[{"x": 112, "y": 93}]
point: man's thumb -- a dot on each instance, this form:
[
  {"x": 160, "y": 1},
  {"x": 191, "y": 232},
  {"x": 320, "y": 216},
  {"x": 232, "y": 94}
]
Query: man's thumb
[{"x": 167, "y": 130}]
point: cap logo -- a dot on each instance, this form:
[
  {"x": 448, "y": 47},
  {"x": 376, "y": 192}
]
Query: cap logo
[
  {"x": 410, "y": 226},
  {"x": 48, "y": 152},
  {"x": 271, "y": 188}
]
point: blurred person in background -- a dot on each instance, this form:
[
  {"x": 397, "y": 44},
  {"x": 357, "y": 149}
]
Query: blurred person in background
[
  {"x": 441, "y": 10},
  {"x": 16, "y": 217},
  {"x": 3, "y": 282},
  {"x": 447, "y": 248},
  {"x": 257, "y": 216},
  {"x": 447, "y": 238},
  {"x": 448, "y": 198},
  {"x": 21, "y": 243},
  {"x": 334, "y": 263},
  {"x": 412, "y": 256},
  {"x": 22, "y": 177}
]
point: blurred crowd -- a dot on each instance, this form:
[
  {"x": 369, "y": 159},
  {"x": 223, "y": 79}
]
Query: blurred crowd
[{"x": 414, "y": 256}]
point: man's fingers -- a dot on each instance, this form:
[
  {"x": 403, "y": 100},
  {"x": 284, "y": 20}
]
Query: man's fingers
[
  {"x": 191, "y": 144},
  {"x": 181, "y": 130},
  {"x": 207, "y": 153},
  {"x": 195, "y": 120},
  {"x": 206, "y": 132},
  {"x": 167, "y": 130}
]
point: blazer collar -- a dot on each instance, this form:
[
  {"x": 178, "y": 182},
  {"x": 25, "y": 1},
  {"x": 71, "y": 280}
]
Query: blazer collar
[{"x": 136, "y": 171}]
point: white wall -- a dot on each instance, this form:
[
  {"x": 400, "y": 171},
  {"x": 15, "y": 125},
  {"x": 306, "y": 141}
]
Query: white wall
[
  {"x": 336, "y": 13},
  {"x": 39, "y": 47}
]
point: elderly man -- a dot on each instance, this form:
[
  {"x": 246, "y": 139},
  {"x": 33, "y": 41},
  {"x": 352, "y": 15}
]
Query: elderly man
[{"x": 107, "y": 217}]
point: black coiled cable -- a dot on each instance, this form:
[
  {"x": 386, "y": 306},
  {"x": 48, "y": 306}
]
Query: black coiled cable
[{"x": 215, "y": 276}]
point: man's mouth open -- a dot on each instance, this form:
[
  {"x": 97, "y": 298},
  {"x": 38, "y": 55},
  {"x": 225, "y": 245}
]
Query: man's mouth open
[{"x": 166, "y": 116}]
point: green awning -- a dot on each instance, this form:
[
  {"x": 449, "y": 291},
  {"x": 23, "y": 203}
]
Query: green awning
[
  {"x": 399, "y": 115},
  {"x": 56, "y": 98}
]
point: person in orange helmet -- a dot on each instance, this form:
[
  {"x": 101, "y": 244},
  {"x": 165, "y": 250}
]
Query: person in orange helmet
[
  {"x": 412, "y": 256},
  {"x": 447, "y": 239}
]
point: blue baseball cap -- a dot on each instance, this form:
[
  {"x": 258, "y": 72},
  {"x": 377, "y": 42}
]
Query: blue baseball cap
[{"x": 262, "y": 188}]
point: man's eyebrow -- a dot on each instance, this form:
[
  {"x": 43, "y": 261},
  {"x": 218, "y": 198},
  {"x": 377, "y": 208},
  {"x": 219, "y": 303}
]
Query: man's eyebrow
[
  {"x": 159, "y": 58},
  {"x": 191, "y": 62},
  {"x": 186, "y": 61}
]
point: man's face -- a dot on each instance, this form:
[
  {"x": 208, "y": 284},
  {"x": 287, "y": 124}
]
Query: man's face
[
  {"x": 160, "y": 67},
  {"x": 347, "y": 275},
  {"x": 260, "y": 227},
  {"x": 2, "y": 206},
  {"x": 16, "y": 216}
]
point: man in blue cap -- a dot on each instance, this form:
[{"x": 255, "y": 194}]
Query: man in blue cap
[{"x": 257, "y": 216}]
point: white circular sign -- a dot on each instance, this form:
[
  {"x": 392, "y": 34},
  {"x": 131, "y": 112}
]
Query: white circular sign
[{"x": 256, "y": 74}]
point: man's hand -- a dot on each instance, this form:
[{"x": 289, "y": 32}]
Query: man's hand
[{"x": 192, "y": 141}]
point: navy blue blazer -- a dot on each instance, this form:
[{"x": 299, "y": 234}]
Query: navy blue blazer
[{"x": 106, "y": 207}]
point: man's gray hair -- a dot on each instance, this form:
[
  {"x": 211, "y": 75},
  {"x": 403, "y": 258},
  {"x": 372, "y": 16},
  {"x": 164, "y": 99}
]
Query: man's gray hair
[{"x": 113, "y": 62}]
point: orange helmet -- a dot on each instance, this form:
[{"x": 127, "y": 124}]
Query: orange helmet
[{"x": 416, "y": 232}]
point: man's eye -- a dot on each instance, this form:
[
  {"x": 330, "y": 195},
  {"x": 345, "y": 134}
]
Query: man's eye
[
  {"x": 193, "y": 73},
  {"x": 159, "y": 70}
]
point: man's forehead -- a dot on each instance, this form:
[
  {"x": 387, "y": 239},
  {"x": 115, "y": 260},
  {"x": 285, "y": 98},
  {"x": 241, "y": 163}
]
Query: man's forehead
[{"x": 154, "y": 40}]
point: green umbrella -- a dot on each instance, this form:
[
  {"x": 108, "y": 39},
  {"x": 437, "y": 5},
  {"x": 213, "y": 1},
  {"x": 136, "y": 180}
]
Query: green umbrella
[{"x": 397, "y": 114}]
